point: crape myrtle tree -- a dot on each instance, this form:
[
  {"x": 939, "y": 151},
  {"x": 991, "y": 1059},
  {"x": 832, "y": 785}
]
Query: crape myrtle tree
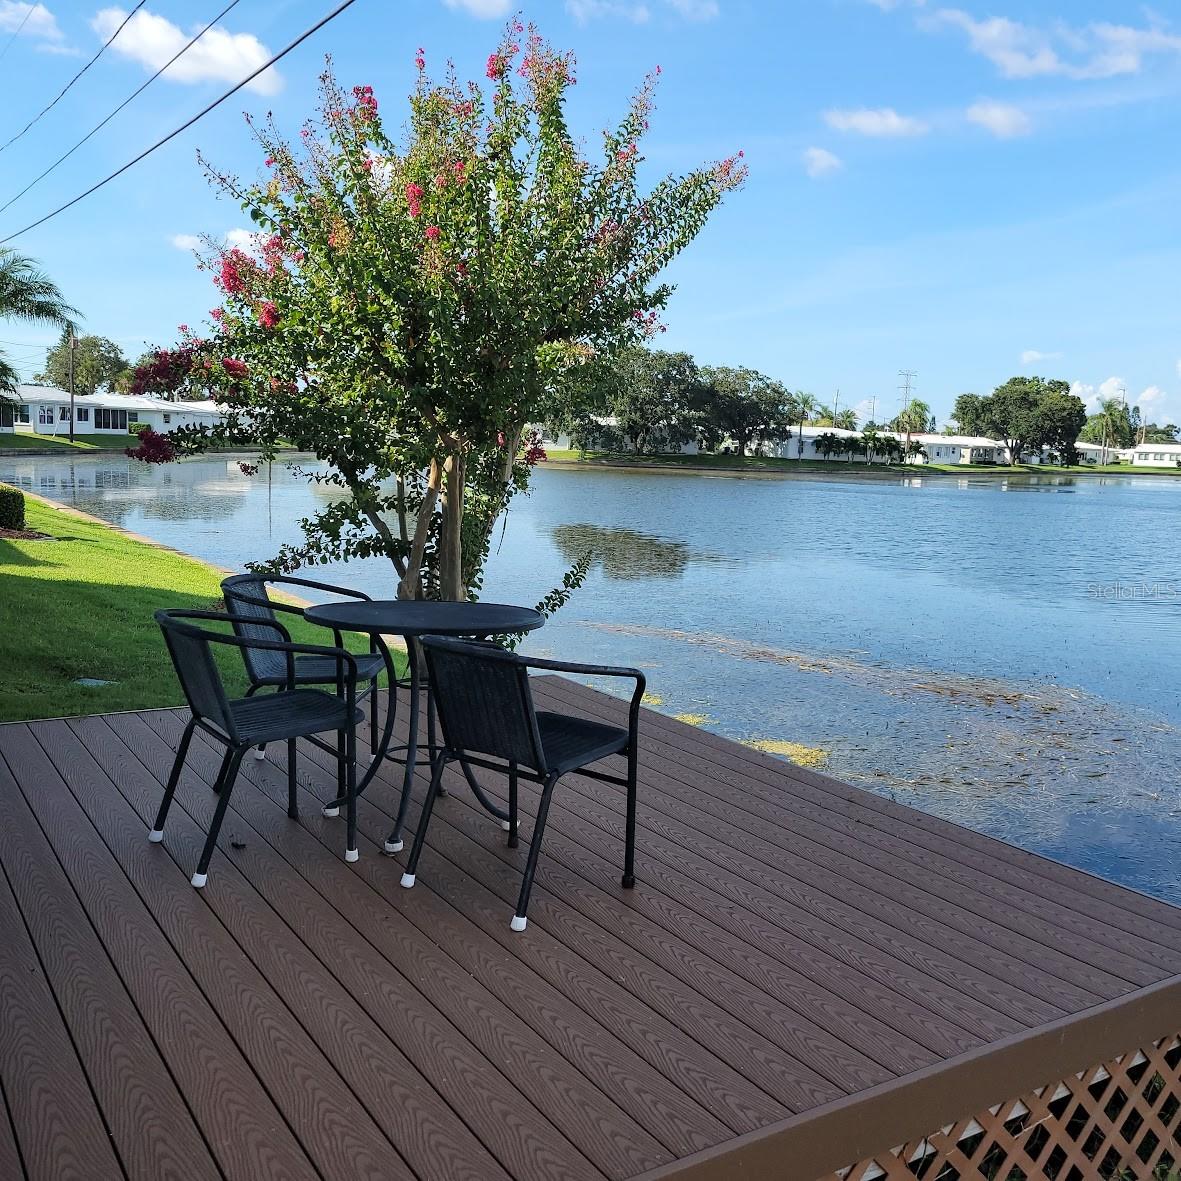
[{"x": 417, "y": 301}]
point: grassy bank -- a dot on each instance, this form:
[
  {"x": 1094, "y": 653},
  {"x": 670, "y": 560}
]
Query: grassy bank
[
  {"x": 80, "y": 605},
  {"x": 52, "y": 444},
  {"x": 764, "y": 464}
]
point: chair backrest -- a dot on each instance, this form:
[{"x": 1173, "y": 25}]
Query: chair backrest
[
  {"x": 196, "y": 669},
  {"x": 246, "y": 595},
  {"x": 484, "y": 702}
]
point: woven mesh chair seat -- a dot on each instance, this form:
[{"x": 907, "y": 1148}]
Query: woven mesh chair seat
[
  {"x": 271, "y": 717},
  {"x": 569, "y": 742},
  {"x": 317, "y": 670}
]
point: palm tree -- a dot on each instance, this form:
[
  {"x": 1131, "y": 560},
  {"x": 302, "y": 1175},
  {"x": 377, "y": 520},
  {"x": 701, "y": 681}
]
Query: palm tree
[
  {"x": 871, "y": 441},
  {"x": 913, "y": 417},
  {"x": 828, "y": 444},
  {"x": 806, "y": 406},
  {"x": 27, "y": 293},
  {"x": 845, "y": 420}
]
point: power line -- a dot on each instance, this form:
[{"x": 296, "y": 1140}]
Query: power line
[
  {"x": 135, "y": 94},
  {"x": 36, "y": 118},
  {"x": 17, "y": 31},
  {"x": 185, "y": 126}
]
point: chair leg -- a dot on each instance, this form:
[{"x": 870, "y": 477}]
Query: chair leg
[
  {"x": 229, "y": 772},
  {"x": 292, "y": 793},
  {"x": 373, "y": 717},
  {"x": 157, "y": 833},
  {"x": 519, "y": 919},
  {"x": 428, "y": 806},
  {"x": 629, "y": 846},
  {"x": 512, "y": 805},
  {"x": 350, "y": 847},
  {"x": 333, "y": 809}
]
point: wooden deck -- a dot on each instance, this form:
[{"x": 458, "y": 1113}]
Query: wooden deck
[{"x": 804, "y": 975}]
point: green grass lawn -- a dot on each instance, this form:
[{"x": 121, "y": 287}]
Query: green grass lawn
[
  {"x": 81, "y": 606},
  {"x": 21, "y": 441}
]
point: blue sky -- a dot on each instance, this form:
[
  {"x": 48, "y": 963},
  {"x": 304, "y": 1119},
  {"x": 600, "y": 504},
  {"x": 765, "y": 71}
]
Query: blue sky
[{"x": 967, "y": 190}]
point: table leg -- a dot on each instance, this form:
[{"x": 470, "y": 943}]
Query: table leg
[
  {"x": 431, "y": 741},
  {"x": 393, "y": 843}
]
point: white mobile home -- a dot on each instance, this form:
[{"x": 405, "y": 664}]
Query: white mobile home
[
  {"x": 45, "y": 410},
  {"x": 1157, "y": 455}
]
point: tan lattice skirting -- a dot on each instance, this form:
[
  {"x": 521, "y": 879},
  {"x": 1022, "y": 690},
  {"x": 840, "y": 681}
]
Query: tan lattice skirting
[{"x": 1115, "y": 1122}]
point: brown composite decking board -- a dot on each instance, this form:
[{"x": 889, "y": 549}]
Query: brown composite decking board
[
  {"x": 150, "y": 1126},
  {"x": 522, "y": 1135},
  {"x": 1128, "y": 945},
  {"x": 802, "y": 968}
]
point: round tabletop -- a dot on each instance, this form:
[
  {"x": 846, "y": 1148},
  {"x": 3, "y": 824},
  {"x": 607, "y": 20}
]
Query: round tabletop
[{"x": 425, "y": 617}]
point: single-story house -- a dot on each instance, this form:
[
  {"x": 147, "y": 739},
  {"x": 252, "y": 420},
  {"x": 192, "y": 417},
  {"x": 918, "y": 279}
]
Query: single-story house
[
  {"x": 45, "y": 410},
  {"x": 1156, "y": 455}
]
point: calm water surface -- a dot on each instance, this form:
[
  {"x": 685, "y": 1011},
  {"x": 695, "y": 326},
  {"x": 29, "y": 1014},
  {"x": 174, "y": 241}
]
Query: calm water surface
[{"x": 1004, "y": 653}]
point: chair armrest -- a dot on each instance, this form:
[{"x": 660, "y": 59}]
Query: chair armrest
[
  {"x": 348, "y": 592},
  {"x": 601, "y": 670}
]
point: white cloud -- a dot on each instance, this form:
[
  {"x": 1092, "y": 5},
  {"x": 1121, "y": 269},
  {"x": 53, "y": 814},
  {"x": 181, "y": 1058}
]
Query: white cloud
[
  {"x": 584, "y": 11},
  {"x": 1098, "y": 50},
  {"x": 1003, "y": 119},
  {"x": 30, "y": 20},
  {"x": 186, "y": 241},
  {"x": 882, "y": 121},
  {"x": 220, "y": 55},
  {"x": 243, "y": 239},
  {"x": 820, "y": 162},
  {"x": 695, "y": 10},
  {"x": 484, "y": 9},
  {"x": 1031, "y": 356},
  {"x": 1149, "y": 396},
  {"x": 1093, "y": 395}
]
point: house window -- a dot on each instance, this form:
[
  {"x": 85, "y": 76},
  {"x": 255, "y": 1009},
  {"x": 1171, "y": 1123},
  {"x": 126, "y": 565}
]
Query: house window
[
  {"x": 83, "y": 413},
  {"x": 21, "y": 413},
  {"x": 63, "y": 414},
  {"x": 133, "y": 416},
  {"x": 167, "y": 418},
  {"x": 110, "y": 420},
  {"x": 45, "y": 416}
]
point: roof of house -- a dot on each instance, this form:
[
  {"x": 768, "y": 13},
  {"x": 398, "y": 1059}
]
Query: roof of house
[{"x": 38, "y": 394}]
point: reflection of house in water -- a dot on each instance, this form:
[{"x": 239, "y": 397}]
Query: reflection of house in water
[{"x": 623, "y": 553}]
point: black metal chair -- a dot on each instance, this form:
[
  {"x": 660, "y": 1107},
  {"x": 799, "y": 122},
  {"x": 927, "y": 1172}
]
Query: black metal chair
[
  {"x": 486, "y": 713},
  {"x": 251, "y": 721},
  {"x": 246, "y": 596}
]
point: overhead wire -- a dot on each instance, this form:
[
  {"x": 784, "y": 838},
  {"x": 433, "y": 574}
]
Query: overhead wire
[
  {"x": 131, "y": 97},
  {"x": 17, "y": 31},
  {"x": 187, "y": 124},
  {"x": 60, "y": 94}
]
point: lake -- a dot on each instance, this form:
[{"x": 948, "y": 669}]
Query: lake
[{"x": 1002, "y": 652}]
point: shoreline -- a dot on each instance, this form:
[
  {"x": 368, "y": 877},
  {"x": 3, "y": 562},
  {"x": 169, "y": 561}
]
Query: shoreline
[{"x": 789, "y": 468}]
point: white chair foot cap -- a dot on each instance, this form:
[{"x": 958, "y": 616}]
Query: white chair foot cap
[
  {"x": 352, "y": 854},
  {"x": 518, "y": 923},
  {"x": 393, "y": 846},
  {"x": 199, "y": 879},
  {"x": 156, "y": 836},
  {"x": 260, "y": 752},
  {"x": 408, "y": 880},
  {"x": 330, "y": 812},
  {"x": 507, "y": 825}
]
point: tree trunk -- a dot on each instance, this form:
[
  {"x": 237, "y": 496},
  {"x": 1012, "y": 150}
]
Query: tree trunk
[
  {"x": 410, "y": 586},
  {"x": 451, "y": 584}
]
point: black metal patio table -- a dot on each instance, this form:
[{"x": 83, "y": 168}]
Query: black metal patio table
[{"x": 411, "y": 618}]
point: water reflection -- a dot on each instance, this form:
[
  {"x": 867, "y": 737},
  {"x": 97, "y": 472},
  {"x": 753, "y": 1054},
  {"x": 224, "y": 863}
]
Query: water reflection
[{"x": 622, "y": 553}]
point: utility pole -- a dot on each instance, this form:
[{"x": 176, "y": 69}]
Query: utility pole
[
  {"x": 73, "y": 349},
  {"x": 907, "y": 376}
]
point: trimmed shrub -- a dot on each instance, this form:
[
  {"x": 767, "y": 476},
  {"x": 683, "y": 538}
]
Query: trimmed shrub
[{"x": 12, "y": 508}]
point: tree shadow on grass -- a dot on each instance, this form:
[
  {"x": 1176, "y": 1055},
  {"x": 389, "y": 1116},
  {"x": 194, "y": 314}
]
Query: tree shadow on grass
[{"x": 13, "y": 555}]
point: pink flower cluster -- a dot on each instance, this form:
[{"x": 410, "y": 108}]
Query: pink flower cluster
[
  {"x": 432, "y": 232},
  {"x": 648, "y": 323},
  {"x": 268, "y": 314},
  {"x": 272, "y": 253},
  {"x": 414, "y": 194},
  {"x": 625, "y": 154},
  {"x": 464, "y": 110},
  {"x": 234, "y": 367},
  {"x": 420, "y": 58},
  {"x": 153, "y": 448},
  {"x": 234, "y": 272},
  {"x": 366, "y": 103},
  {"x": 495, "y": 68}
]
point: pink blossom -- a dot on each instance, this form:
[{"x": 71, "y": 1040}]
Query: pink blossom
[
  {"x": 182, "y": 328},
  {"x": 268, "y": 314},
  {"x": 218, "y": 314},
  {"x": 414, "y": 194},
  {"x": 463, "y": 110},
  {"x": 269, "y": 161},
  {"x": 420, "y": 58},
  {"x": 432, "y": 232},
  {"x": 461, "y": 269},
  {"x": 495, "y": 67},
  {"x": 367, "y": 164},
  {"x": 234, "y": 367}
]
